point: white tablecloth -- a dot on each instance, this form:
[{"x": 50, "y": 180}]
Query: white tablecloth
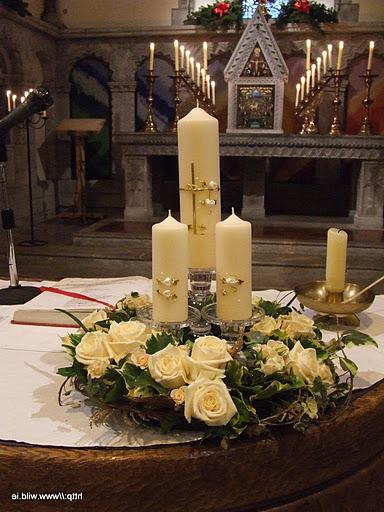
[{"x": 29, "y": 386}]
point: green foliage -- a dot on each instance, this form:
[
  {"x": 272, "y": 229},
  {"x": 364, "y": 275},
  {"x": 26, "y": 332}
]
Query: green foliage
[
  {"x": 357, "y": 338},
  {"x": 348, "y": 365},
  {"x": 77, "y": 370},
  {"x": 159, "y": 341},
  {"x": 318, "y": 13},
  {"x": 140, "y": 380},
  {"x": 207, "y": 18},
  {"x": 273, "y": 308},
  {"x": 74, "y": 318}
]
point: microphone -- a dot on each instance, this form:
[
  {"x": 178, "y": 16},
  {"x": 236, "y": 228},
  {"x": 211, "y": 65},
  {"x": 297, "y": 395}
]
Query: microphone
[{"x": 37, "y": 101}]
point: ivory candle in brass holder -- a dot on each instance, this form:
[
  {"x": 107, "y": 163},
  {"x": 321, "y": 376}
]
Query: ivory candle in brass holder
[
  {"x": 330, "y": 306},
  {"x": 150, "y": 125},
  {"x": 366, "y": 128},
  {"x": 177, "y": 81},
  {"x": 335, "y": 128}
]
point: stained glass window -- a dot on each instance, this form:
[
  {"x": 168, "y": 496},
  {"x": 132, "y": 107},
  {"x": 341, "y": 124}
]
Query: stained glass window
[{"x": 273, "y": 6}]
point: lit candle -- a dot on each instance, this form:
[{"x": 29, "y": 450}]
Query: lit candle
[
  {"x": 302, "y": 89},
  {"x": 170, "y": 271},
  {"x": 330, "y": 63},
  {"x": 313, "y": 75},
  {"x": 205, "y": 55},
  {"x": 182, "y": 50},
  {"x": 14, "y": 98},
  {"x": 336, "y": 260},
  {"x": 297, "y": 95},
  {"x": 203, "y": 73},
  {"x": 308, "y": 81},
  {"x": 198, "y": 144},
  {"x": 26, "y": 94},
  {"x": 187, "y": 55},
  {"x": 324, "y": 55},
  {"x": 208, "y": 80},
  {"x": 151, "y": 55},
  {"x": 340, "y": 55},
  {"x": 213, "y": 93},
  {"x": 308, "y": 54},
  {"x": 30, "y": 90},
  {"x": 318, "y": 66},
  {"x": 233, "y": 269},
  {"x": 176, "y": 46},
  {"x": 9, "y": 93},
  {"x": 22, "y": 99},
  {"x": 370, "y": 55},
  {"x": 198, "y": 72},
  {"x": 192, "y": 63}
]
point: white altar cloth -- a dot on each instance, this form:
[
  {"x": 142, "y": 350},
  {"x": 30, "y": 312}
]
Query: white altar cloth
[{"x": 31, "y": 355}]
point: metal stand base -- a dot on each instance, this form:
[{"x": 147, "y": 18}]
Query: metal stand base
[
  {"x": 18, "y": 294},
  {"x": 32, "y": 243}
]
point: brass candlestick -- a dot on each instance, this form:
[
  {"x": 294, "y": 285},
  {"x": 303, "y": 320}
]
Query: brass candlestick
[
  {"x": 366, "y": 128},
  {"x": 177, "y": 81},
  {"x": 150, "y": 125},
  {"x": 197, "y": 93},
  {"x": 335, "y": 128}
]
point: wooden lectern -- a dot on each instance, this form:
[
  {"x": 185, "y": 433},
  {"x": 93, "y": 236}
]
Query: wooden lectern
[{"x": 79, "y": 129}]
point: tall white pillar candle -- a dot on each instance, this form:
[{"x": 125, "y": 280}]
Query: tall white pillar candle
[
  {"x": 308, "y": 54},
  {"x": 318, "y": 67},
  {"x": 192, "y": 63},
  {"x": 198, "y": 143},
  {"x": 203, "y": 82},
  {"x": 213, "y": 92},
  {"x": 208, "y": 81},
  {"x": 336, "y": 260},
  {"x": 14, "y": 98},
  {"x": 233, "y": 269},
  {"x": 302, "y": 88},
  {"x": 330, "y": 63},
  {"x": 9, "y": 93},
  {"x": 182, "y": 51},
  {"x": 187, "y": 63},
  {"x": 324, "y": 55},
  {"x": 340, "y": 55},
  {"x": 176, "y": 46},
  {"x": 308, "y": 81},
  {"x": 170, "y": 271},
  {"x": 313, "y": 76},
  {"x": 370, "y": 55},
  {"x": 198, "y": 73},
  {"x": 297, "y": 95},
  {"x": 151, "y": 55},
  {"x": 205, "y": 55}
]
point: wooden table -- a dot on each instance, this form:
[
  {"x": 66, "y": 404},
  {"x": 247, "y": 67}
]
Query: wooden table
[{"x": 335, "y": 466}]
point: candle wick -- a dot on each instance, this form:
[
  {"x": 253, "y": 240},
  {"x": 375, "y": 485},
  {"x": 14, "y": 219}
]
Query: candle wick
[
  {"x": 169, "y": 213},
  {"x": 233, "y": 211}
]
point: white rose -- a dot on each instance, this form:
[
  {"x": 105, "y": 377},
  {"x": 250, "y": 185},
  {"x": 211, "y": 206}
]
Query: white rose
[
  {"x": 126, "y": 337},
  {"x": 168, "y": 367},
  {"x": 296, "y": 324},
  {"x": 272, "y": 365},
  {"x": 93, "y": 348},
  {"x": 67, "y": 342},
  {"x": 134, "y": 302},
  {"x": 97, "y": 369},
  {"x": 210, "y": 402},
  {"x": 140, "y": 358},
  {"x": 266, "y": 325},
  {"x": 279, "y": 347},
  {"x": 303, "y": 362},
  {"x": 178, "y": 395},
  {"x": 96, "y": 316},
  {"x": 211, "y": 350},
  {"x": 195, "y": 370}
]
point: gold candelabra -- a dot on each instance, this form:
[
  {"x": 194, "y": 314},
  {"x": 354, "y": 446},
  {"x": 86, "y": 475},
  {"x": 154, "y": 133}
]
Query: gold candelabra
[
  {"x": 366, "y": 128},
  {"x": 150, "y": 125},
  {"x": 197, "y": 93},
  {"x": 177, "y": 81},
  {"x": 335, "y": 128}
]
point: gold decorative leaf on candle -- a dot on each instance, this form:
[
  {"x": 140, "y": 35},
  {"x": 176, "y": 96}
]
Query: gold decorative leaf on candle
[
  {"x": 165, "y": 287},
  {"x": 230, "y": 284}
]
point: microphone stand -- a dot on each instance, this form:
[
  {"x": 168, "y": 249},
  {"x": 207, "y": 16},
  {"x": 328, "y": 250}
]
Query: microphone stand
[{"x": 15, "y": 293}]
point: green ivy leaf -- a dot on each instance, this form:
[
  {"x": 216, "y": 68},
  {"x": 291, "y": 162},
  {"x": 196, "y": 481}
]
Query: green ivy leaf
[
  {"x": 234, "y": 372},
  {"x": 357, "y": 338},
  {"x": 310, "y": 408},
  {"x": 272, "y": 389},
  {"x": 129, "y": 372},
  {"x": 116, "y": 391},
  {"x": 348, "y": 365},
  {"x": 158, "y": 342},
  {"x": 76, "y": 338},
  {"x": 145, "y": 381},
  {"x": 76, "y": 370}
]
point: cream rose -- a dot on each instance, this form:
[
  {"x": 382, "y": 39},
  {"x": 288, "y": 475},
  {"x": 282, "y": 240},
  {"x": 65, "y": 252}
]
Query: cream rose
[
  {"x": 126, "y": 337},
  {"x": 93, "y": 348},
  {"x": 272, "y": 365},
  {"x": 266, "y": 325},
  {"x": 210, "y": 402},
  {"x": 97, "y": 369},
  {"x": 96, "y": 316},
  {"x": 296, "y": 325},
  {"x": 134, "y": 302},
  {"x": 195, "y": 370},
  {"x": 140, "y": 358},
  {"x": 168, "y": 367},
  {"x": 178, "y": 395},
  {"x": 303, "y": 362},
  {"x": 211, "y": 350}
]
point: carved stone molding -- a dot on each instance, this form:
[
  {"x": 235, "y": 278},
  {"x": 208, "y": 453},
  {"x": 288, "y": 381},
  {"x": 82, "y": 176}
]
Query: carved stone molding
[{"x": 138, "y": 186}]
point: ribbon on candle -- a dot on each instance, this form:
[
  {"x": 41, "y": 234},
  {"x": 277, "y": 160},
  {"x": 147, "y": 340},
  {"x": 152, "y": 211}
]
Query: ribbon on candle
[{"x": 74, "y": 295}]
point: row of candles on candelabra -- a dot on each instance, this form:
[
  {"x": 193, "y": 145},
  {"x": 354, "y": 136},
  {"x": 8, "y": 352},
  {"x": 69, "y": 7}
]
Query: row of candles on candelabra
[
  {"x": 315, "y": 72},
  {"x": 13, "y": 100},
  {"x": 196, "y": 72}
]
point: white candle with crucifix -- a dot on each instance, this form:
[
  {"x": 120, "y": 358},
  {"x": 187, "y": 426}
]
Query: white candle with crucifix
[
  {"x": 199, "y": 182},
  {"x": 233, "y": 269},
  {"x": 169, "y": 271}
]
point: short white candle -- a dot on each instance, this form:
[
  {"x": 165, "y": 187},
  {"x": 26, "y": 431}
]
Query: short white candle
[
  {"x": 182, "y": 51},
  {"x": 170, "y": 271},
  {"x": 203, "y": 84},
  {"x": 308, "y": 81},
  {"x": 208, "y": 81},
  {"x": 151, "y": 55},
  {"x": 233, "y": 269},
  {"x": 336, "y": 260},
  {"x": 187, "y": 63},
  {"x": 302, "y": 88},
  {"x": 297, "y": 95},
  {"x": 313, "y": 76},
  {"x": 198, "y": 73},
  {"x": 192, "y": 63},
  {"x": 9, "y": 93},
  {"x": 198, "y": 144},
  {"x": 205, "y": 55},
  {"x": 176, "y": 46},
  {"x": 14, "y": 98},
  {"x": 340, "y": 55},
  {"x": 330, "y": 63},
  {"x": 308, "y": 54},
  {"x": 213, "y": 92},
  {"x": 324, "y": 55},
  {"x": 370, "y": 55},
  {"x": 318, "y": 67}
]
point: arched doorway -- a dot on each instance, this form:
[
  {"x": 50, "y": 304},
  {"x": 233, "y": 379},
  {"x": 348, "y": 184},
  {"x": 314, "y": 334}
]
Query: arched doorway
[{"x": 90, "y": 97}]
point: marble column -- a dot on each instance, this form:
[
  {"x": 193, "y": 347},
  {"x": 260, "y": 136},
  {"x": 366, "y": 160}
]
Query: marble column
[
  {"x": 138, "y": 186},
  {"x": 369, "y": 196},
  {"x": 123, "y": 106},
  {"x": 254, "y": 173}
]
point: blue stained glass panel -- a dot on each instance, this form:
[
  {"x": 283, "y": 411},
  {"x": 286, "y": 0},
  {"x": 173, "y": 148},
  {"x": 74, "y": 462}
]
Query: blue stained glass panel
[{"x": 273, "y": 7}]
